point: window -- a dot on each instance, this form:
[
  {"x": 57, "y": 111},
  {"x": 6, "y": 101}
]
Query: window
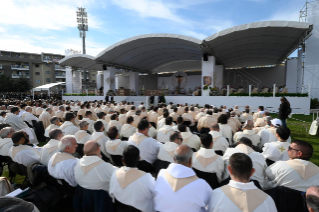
[
  {"x": 26, "y": 73},
  {"x": 47, "y": 65},
  {"x": 37, "y": 73},
  {"x": 48, "y": 79},
  {"x": 26, "y": 56},
  {"x": 37, "y": 65},
  {"x": 47, "y": 72},
  {"x": 37, "y": 81}
]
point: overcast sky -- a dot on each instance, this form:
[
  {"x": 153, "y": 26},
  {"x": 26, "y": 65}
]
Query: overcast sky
[{"x": 50, "y": 26}]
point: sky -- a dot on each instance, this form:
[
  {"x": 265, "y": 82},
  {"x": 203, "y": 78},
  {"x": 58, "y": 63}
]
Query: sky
[{"x": 50, "y": 26}]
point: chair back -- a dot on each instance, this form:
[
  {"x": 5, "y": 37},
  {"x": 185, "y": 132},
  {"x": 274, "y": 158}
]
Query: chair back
[
  {"x": 145, "y": 166},
  {"x": 210, "y": 178},
  {"x": 18, "y": 169},
  {"x": 92, "y": 200},
  {"x": 269, "y": 162},
  {"x": 120, "y": 207},
  {"x": 160, "y": 164},
  {"x": 219, "y": 152},
  {"x": 79, "y": 150},
  {"x": 117, "y": 160},
  {"x": 204, "y": 130},
  {"x": 124, "y": 139},
  {"x": 39, "y": 130},
  {"x": 65, "y": 187}
]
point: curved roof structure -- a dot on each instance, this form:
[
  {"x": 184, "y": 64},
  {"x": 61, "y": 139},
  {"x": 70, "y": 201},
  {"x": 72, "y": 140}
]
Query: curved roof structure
[
  {"x": 257, "y": 44},
  {"x": 82, "y": 61},
  {"x": 146, "y": 52}
]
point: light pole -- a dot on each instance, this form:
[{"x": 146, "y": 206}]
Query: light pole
[{"x": 83, "y": 26}]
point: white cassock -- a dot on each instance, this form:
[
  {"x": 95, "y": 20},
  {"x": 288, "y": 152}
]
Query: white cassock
[
  {"x": 296, "y": 174},
  {"x": 176, "y": 129},
  {"x": 122, "y": 119},
  {"x": 220, "y": 142},
  {"x": 97, "y": 110},
  {"x": 16, "y": 122},
  {"x": 45, "y": 118},
  {"x": 127, "y": 130},
  {"x": 130, "y": 113},
  {"x": 101, "y": 138},
  {"x": 91, "y": 124},
  {"x": 174, "y": 116},
  {"x": 91, "y": 172},
  {"x": 49, "y": 128},
  {"x": 114, "y": 123},
  {"x": 140, "y": 107},
  {"x": 313, "y": 128},
  {"x": 238, "y": 197},
  {"x": 259, "y": 163},
  {"x": 251, "y": 134},
  {"x": 81, "y": 112},
  {"x": 5, "y": 145},
  {"x": 232, "y": 126},
  {"x": 28, "y": 117},
  {"x": 148, "y": 146},
  {"x": 24, "y": 154},
  {"x": 245, "y": 116},
  {"x": 206, "y": 160},
  {"x": 82, "y": 136},
  {"x": 237, "y": 111},
  {"x": 180, "y": 110},
  {"x": 188, "y": 117},
  {"x": 137, "y": 119},
  {"x": 265, "y": 137},
  {"x": 191, "y": 140},
  {"x": 206, "y": 122},
  {"x": 152, "y": 117},
  {"x": 21, "y": 112},
  {"x": 61, "y": 166},
  {"x": 276, "y": 151},
  {"x": 177, "y": 189},
  {"x": 166, "y": 151},
  {"x": 68, "y": 128},
  {"x": 116, "y": 147},
  {"x": 48, "y": 151},
  {"x": 160, "y": 123},
  {"x": 260, "y": 122},
  {"x": 226, "y": 131},
  {"x": 104, "y": 123},
  {"x": 236, "y": 121},
  {"x": 152, "y": 132},
  {"x": 216, "y": 115},
  {"x": 124, "y": 184},
  {"x": 38, "y": 111},
  {"x": 164, "y": 133}
]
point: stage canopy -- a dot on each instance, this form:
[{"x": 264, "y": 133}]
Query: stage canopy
[
  {"x": 48, "y": 86},
  {"x": 254, "y": 44},
  {"x": 257, "y": 44}
]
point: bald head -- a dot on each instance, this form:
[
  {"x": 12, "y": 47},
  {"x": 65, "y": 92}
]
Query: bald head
[
  {"x": 249, "y": 125},
  {"x": 312, "y": 197},
  {"x": 91, "y": 148},
  {"x": 215, "y": 127},
  {"x": 183, "y": 155}
]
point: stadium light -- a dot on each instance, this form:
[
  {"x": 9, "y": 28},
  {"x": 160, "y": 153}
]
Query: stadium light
[{"x": 83, "y": 26}]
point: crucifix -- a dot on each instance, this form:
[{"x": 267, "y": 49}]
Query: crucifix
[{"x": 179, "y": 80}]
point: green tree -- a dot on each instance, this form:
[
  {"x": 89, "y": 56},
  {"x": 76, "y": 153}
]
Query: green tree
[
  {"x": 22, "y": 84},
  {"x": 6, "y": 83}
]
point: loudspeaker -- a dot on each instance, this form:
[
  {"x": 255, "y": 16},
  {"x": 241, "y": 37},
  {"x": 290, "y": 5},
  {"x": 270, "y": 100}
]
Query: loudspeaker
[
  {"x": 205, "y": 57},
  {"x": 104, "y": 67}
]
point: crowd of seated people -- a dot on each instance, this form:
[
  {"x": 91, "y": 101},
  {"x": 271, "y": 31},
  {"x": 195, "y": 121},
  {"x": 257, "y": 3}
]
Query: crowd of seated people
[{"x": 175, "y": 157}]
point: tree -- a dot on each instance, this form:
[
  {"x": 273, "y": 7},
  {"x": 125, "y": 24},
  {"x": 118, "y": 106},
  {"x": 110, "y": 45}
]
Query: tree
[
  {"x": 22, "y": 84},
  {"x": 6, "y": 83}
]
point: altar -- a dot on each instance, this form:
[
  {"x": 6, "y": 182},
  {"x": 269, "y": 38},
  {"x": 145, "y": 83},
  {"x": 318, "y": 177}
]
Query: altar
[{"x": 153, "y": 92}]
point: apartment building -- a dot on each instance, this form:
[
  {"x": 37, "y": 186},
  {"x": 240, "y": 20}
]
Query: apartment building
[{"x": 41, "y": 68}]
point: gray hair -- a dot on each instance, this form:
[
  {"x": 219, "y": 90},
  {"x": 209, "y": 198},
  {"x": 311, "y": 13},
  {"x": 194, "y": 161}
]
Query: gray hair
[
  {"x": 53, "y": 119},
  {"x": 28, "y": 108},
  {"x": 48, "y": 109},
  {"x": 61, "y": 107},
  {"x": 83, "y": 124},
  {"x": 5, "y": 132},
  {"x": 55, "y": 133},
  {"x": 268, "y": 119},
  {"x": 183, "y": 159},
  {"x": 65, "y": 141}
]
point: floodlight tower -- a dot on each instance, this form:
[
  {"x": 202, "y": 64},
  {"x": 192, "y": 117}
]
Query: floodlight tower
[{"x": 83, "y": 26}]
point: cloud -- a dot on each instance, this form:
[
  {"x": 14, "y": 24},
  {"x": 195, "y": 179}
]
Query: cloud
[
  {"x": 194, "y": 34},
  {"x": 2, "y": 29}
]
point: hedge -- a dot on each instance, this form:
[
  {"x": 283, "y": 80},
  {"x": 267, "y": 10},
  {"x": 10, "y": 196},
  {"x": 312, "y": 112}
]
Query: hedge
[
  {"x": 271, "y": 94},
  {"x": 79, "y": 94}
]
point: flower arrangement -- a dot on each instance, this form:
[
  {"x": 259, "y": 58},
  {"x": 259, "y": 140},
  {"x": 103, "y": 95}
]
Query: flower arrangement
[
  {"x": 111, "y": 93},
  {"x": 206, "y": 87}
]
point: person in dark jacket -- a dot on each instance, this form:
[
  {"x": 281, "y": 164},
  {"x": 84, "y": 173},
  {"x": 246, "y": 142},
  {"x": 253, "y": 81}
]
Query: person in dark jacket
[{"x": 283, "y": 111}]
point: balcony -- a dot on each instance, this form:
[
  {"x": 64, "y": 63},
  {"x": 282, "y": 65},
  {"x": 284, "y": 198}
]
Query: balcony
[
  {"x": 57, "y": 67},
  {"x": 59, "y": 75},
  {"x": 20, "y": 76},
  {"x": 19, "y": 67}
]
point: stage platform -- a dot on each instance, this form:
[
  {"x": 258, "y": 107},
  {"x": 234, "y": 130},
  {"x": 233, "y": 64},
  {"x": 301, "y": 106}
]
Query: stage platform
[{"x": 298, "y": 104}]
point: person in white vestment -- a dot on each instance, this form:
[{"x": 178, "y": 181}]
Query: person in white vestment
[
  {"x": 88, "y": 119},
  {"x": 259, "y": 113},
  {"x": 259, "y": 164},
  {"x": 91, "y": 172},
  {"x": 122, "y": 116},
  {"x": 298, "y": 172},
  {"x": 189, "y": 138},
  {"x": 99, "y": 136},
  {"x": 265, "y": 135},
  {"x": 206, "y": 121},
  {"x": 128, "y": 129},
  {"x": 51, "y": 147},
  {"x": 55, "y": 123},
  {"x": 60, "y": 112},
  {"x": 28, "y": 116},
  {"x": 278, "y": 150},
  {"x": 234, "y": 118},
  {"x": 6, "y": 140},
  {"x": 161, "y": 119},
  {"x": 237, "y": 111},
  {"x": 22, "y": 151},
  {"x": 206, "y": 160},
  {"x": 166, "y": 151},
  {"x": 61, "y": 165},
  {"x": 45, "y": 117},
  {"x": 248, "y": 132},
  {"x": 131, "y": 112},
  {"x": 22, "y": 109},
  {"x": 220, "y": 142},
  {"x": 137, "y": 117},
  {"x": 245, "y": 116},
  {"x": 312, "y": 199},
  {"x": 224, "y": 129},
  {"x": 174, "y": 115},
  {"x": 68, "y": 126},
  {"x": 148, "y": 146},
  {"x": 164, "y": 132},
  {"x": 128, "y": 179},
  {"x": 200, "y": 114},
  {"x": 114, "y": 122},
  {"x": 177, "y": 187},
  {"x": 240, "y": 194},
  {"x": 115, "y": 146},
  {"x": 39, "y": 109},
  {"x": 82, "y": 136},
  {"x": 180, "y": 120},
  {"x": 108, "y": 115},
  {"x": 101, "y": 117},
  {"x": 2, "y": 116}
]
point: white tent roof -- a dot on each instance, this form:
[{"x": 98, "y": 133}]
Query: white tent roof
[
  {"x": 257, "y": 44},
  {"x": 82, "y": 61},
  {"x": 48, "y": 86}
]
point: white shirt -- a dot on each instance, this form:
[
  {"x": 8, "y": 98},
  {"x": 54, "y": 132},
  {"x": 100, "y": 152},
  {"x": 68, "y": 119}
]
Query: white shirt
[
  {"x": 215, "y": 167},
  {"x": 219, "y": 202},
  {"x": 145, "y": 186},
  {"x": 220, "y": 142},
  {"x": 25, "y": 157},
  {"x": 276, "y": 151},
  {"x": 282, "y": 174},
  {"x": 149, "y": 148},
  {"x": 63, "y": 170},
  {"x": 164, "y": 133},
  {"x": 68, "y": 128},
  {"x": 127, "y": 130},
  {"x": 91, "y": 124},
  {"x": 119, "y": 146},
  {"x": 187, "y": 198},
  {"x": 49, "y": 128},
  {"x": 97, "y": 178},
  {"x": 166, "y": 152},
  {"x": 48, "y": 151},
  {"x": 5, "y": 145}
]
